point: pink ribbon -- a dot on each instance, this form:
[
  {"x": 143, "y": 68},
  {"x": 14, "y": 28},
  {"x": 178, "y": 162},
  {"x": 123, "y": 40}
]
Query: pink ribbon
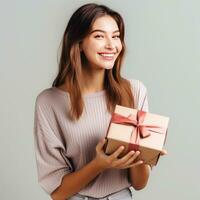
[{"x": 141, "y": 130}]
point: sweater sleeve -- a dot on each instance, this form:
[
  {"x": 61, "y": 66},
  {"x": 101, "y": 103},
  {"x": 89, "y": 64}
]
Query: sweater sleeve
[{"x": 52, "y": 163}]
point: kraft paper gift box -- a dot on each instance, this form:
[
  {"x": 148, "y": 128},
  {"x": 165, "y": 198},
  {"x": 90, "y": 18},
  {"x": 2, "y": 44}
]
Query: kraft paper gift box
[{"x": 137, "y": 130}]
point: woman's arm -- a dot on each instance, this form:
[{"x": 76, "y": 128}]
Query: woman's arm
[
  {"x": 139, "y": 176},
  {"x": 74, "y": 182}
]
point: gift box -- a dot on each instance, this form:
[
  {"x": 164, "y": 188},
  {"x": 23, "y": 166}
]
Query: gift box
[{"x": 137, "y": 130}]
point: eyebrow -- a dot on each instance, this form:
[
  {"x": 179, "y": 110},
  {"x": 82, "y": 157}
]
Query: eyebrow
[{"x": 99, "y": 30}]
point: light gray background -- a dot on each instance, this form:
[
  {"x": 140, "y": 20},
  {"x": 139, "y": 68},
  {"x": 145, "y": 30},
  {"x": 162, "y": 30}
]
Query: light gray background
[{"x": 163, "y": 45}]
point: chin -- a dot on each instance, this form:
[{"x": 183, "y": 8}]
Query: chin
[{"x": 108, "y": 67}]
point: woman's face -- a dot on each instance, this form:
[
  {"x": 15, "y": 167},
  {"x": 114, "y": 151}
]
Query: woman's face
[{"x": 103, "y": 45}]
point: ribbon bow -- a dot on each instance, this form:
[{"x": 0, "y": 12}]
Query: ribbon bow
[{"x": 141, "y": 130}]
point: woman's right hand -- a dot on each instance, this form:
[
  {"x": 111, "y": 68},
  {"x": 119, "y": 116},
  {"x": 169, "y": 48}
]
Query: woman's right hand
[{"x": 112, "y": 161}]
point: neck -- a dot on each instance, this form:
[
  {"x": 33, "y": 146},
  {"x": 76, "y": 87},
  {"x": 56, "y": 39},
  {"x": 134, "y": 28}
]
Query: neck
[{"x": 93, "y": 81}]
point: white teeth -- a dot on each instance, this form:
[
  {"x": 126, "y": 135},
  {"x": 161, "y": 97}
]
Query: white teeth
[{"x": 107, "y": 55}]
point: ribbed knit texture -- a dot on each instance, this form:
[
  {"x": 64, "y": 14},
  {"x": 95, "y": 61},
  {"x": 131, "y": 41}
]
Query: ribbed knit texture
[{"x": 63, "y": 146}]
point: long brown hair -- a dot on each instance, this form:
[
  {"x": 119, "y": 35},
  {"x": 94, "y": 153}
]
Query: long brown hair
[{"x": 118, "y": 89}]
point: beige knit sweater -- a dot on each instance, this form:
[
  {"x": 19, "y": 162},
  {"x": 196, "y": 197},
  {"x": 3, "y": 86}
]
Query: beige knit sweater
[{"x": 62, "y": 146}]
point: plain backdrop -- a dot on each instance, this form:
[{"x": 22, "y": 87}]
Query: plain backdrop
[{"x": 163, "y": 45}]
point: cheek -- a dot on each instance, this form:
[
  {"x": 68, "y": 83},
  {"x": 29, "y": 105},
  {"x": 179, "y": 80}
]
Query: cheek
[
  {"x": 91, "y": 48},
  {"x": 119, "y": 46},
  {"x": 90, "y": 53}
]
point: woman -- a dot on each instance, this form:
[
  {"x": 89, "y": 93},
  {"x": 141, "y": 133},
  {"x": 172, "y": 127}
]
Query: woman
[{"x": 72, "y": 117}]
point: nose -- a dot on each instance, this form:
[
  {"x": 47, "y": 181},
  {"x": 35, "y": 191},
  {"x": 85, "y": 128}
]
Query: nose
[{"x": 109, "y": 44}]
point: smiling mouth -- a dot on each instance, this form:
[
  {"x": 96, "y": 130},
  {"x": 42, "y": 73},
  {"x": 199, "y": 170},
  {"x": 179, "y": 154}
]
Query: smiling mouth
[{"x": 107, "y": 56}]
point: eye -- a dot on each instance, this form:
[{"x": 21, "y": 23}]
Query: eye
[
  {"x": 98, "y": 36},
  {"x": 116, "y": 36}
]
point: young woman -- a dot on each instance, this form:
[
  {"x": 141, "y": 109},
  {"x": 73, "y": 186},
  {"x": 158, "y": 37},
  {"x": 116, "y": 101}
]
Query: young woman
[{"x": 72, "y": 117}]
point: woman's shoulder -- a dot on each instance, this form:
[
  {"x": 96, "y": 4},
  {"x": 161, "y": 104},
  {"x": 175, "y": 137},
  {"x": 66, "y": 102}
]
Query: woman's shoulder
[
  {"x": 137, "y": 85},
  {"x": 140, "y": 93},
  {"x": 46, "y": 96}
]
